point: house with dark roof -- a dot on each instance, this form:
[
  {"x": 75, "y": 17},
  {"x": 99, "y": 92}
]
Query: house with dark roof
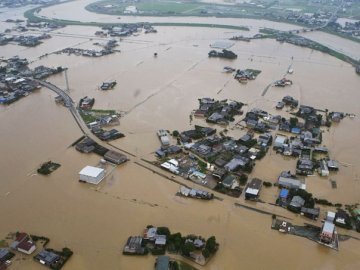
[
  {"x": 229, "y": 181},
  {"x": 312, "y": 213},
  {"x": 252, "y": 191},
  {"x": 23, "y": 243},
  {"x": 4, "y": 254},
  {"x": 238, "y": 162},
  {"x": 46, "y": 257},
  {"x": 296, "y": 203}
]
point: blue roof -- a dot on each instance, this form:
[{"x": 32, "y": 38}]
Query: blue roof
[
  {"x": 296, "y": 130},
  {"x": 284, "y": 193}
]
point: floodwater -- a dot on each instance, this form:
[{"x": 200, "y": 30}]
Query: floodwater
[
  {"x": 76, "y": 11},
  {"x": 95, "y": 221}
]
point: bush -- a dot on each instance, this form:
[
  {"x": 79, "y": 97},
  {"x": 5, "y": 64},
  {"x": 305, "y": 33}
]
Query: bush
[
  {"x": 267, "y": 184},
  {"x": 206, "y": 253},
  {"x": 187, "y": 248},
  {"x": 175, "y": 133},
  {"x": 243, "y": 179},
  {"x": 211, "y": 244},
  {"x": 163, "y": 231}
]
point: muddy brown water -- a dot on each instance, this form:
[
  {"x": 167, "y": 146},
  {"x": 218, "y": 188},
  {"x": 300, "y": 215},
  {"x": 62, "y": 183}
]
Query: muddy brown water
[{"x": 95, "y": 221}]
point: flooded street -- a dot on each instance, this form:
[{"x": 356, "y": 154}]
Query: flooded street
[{"x": 155, "y": 93}]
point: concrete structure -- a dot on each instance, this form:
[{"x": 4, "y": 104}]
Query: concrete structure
[
  {"x": 330, "y": 216},
  {"x": 327, "y": 233},
  {"x": 253, "y": 189},
  {"x": 323, "y": 169},
  {"x": 92, "y": 175}
]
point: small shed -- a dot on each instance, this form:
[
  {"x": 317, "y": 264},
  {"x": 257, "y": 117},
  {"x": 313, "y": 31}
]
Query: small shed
[{"x": 92, "y": 175}]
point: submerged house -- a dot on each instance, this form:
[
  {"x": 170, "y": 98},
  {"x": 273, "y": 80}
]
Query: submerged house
[
  {"x": 327, "y": 233},
  {"x": 252, "y": 191}
]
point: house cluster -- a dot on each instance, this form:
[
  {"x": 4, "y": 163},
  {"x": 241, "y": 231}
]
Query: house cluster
[
  {"x": 283, "y": 82},
  {"x": 27, "y": 41},
  {"x": 14, "y": 88},
  {"x": 30, "y": 41},
  {"x": 159, "y": 240},
  {"x": 128, "y": 29},
  {"x": 195, "y": 193},
  {"x": 208, "y": 157},
  {"x": 227, "y": 159},
  {"x": 96, "y": 121},
  {"x": 218, "y": 112},
  {"x": 22, "y": 3},
  {"x": 138, "y": 245},
  {"x": 105, "y": 135},
  {"x": 44, "y": 25},
  {"x": 87, "y": 145},
  {"x": 89, "y": 53},
  {"x": 244, "y": 75},
  {"x": 16, "y": 79},
  {"x": 42, "y": 72},
  {"x": 223, "y": 54}
]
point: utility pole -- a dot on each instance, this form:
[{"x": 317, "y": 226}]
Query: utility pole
[{"x": 67, "y": 81}]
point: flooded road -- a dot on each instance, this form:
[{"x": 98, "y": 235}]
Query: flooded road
[{"x": 95, "y": 221}]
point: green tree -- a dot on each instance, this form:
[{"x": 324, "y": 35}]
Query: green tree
[
  {"x": 187, "y": 248},
  {"x": 211, "y": 244},
  {"x": 206, "y": 253},
  {"x": 163, "y": 231},
  {"x": 293, "y": 121}
]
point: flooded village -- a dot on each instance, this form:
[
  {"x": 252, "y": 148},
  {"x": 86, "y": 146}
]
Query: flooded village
[{"x": 230, "y": 155}]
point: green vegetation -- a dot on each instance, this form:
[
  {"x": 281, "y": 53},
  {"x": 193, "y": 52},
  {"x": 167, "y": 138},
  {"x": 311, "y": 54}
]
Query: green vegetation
[
  {"x": 243, "y": 179},
  {"x": 179, "y": 265},
  {"x": 309, "y": 200},
  {"x": 36, "y": 238},
  {"x": 48, "y": 167},
  {"x": 267, "y": 184},
  {"x": 175, "y": 133},
  {"x": 184, "y": 245},
  {"x": 3, "y": 243}
]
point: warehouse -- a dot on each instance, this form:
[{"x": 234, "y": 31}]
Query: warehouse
[{"x": 92, "y": 175}]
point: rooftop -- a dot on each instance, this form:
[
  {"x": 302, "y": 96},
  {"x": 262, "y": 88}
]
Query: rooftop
[{"x": 91, "y": 171}]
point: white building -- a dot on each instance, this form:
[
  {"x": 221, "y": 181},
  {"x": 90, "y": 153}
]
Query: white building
[{"x": 92, "y": 175}]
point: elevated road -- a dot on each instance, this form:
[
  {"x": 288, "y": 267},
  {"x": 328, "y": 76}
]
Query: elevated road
[{"x": 70, "y": 104}]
